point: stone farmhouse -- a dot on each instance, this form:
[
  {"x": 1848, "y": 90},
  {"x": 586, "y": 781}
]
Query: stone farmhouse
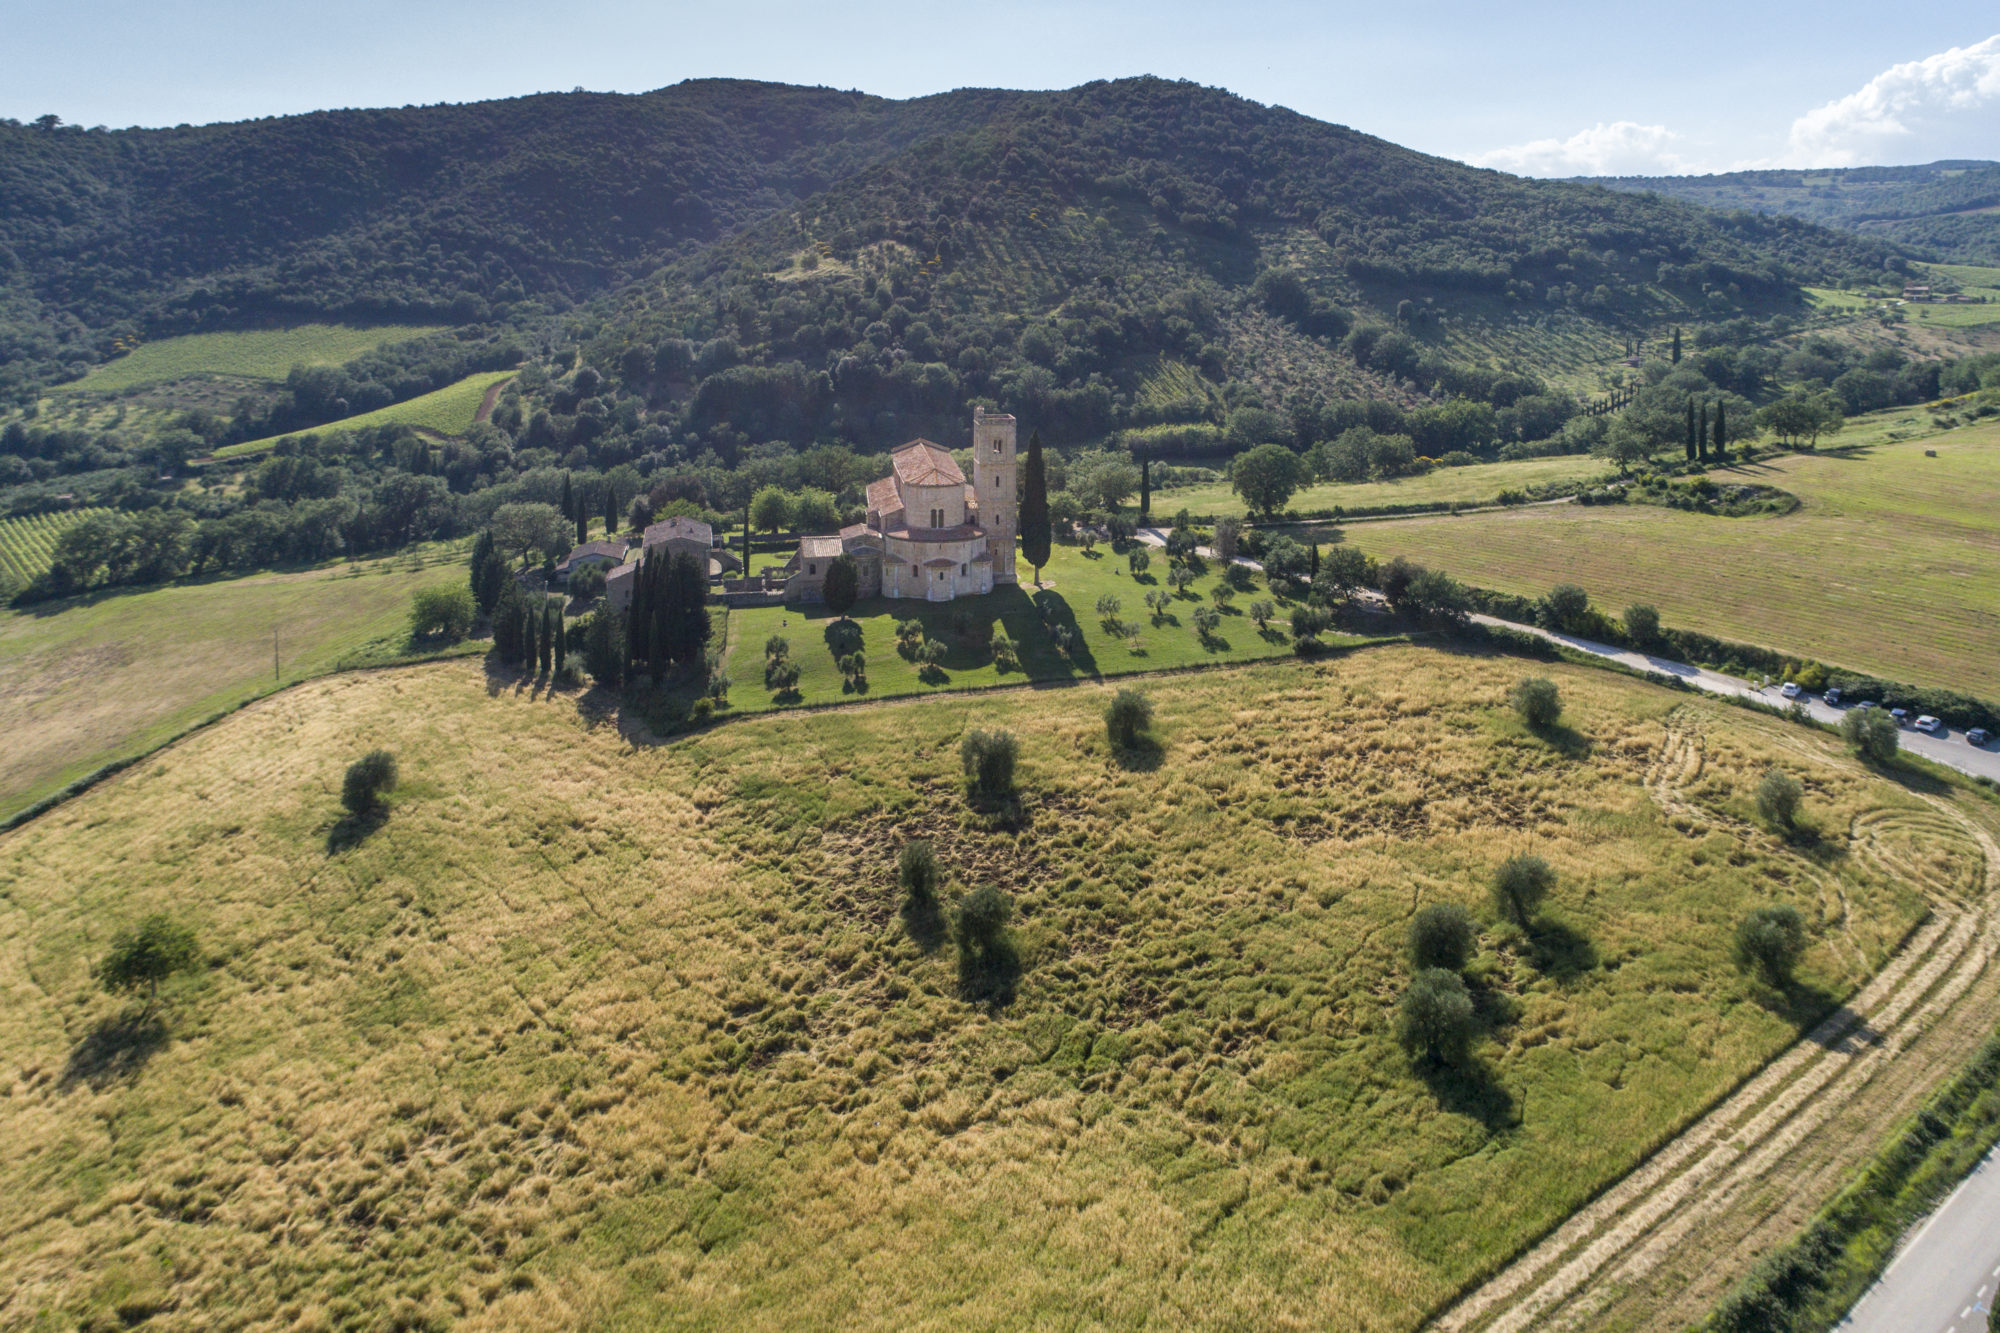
[
  {"x": 928, "y": 532},
  {"x": 678, "y": 535}
]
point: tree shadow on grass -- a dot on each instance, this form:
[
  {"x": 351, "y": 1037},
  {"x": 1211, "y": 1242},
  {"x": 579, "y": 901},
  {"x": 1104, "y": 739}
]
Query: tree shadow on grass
[
  {"x": 1817, "y": 1014},
  {"x": 354, "y": 828},
  {"x": 1559, "y": 950},
  {"x": 1470, "y": 1090},
  {"x": 1054, "y": 610},
  {"x": 990, "y": 976},
  {"x": 843, "y": 637},
  {"x": 1143, "y": 755},
  {"x": 923, "y": 921},
  {"x": 115, "y": 1050}
]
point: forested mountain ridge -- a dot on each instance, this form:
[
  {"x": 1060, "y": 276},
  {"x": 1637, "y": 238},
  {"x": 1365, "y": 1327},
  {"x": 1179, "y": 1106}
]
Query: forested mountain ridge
[
  {"x": 1946, "y": 210},
  {"x": 470, "y": 212}
]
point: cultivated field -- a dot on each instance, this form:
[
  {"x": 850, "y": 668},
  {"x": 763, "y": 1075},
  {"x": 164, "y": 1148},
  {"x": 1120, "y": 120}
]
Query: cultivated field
[
  {"x": 263, "y": 354},
  {"x": 589, "y": 1030},
  {"x": 1891, "y": 566},
  {"x": 447, "y": 411},
  {"x": 97, "y": 678},
  {"x": 28, "y": 542},
  {"x": 1474, "y": 485},
  {"x": 1072, "y": 584}
]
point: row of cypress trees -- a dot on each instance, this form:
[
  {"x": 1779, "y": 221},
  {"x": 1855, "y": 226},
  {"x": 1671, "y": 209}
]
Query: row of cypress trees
[
  {"x": 667, "y": 625},
  {"x": 576, "y": 508},
  {"x": 529, "y": 636},
  {"x": 1699, "y": 434}
]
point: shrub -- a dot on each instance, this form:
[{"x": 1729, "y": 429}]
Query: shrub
[
  {"x": 1006, "y": 657},
  {"x": 1771, "y": 939},
  {"x": 1158, "y": 600},
  {"x": 1642, "y": 625},
  {"x": 988, "y": 757},
  {"x": 1536, "y": 699},
  {"x": 1443, "y": 935},
  {"x": 1228, "y": 536},
  {"x": 987, "y": 960},
  {"x": 1308, "y": 623},
  {"x": 1520, "y": 886},
  {"x": 587, "y": 582},
  {"x": 777, "y": 648},
  {"x": 1564, "y": 608},
  {"x": 367, "y": 778},
  {"x": 1778, "y": 797},
  {"x": 1435, "y": 1019},
  {"x": 1127, "y": 716},
  {"x": 917, "y": 872},
  {"x": 853, "y": 668},
  {"x": 909, "y": 633},
  {"x": 1872, "y": 733},
  {"x": 1108, "y": 607},
  {"x": 448, "y": 612},
  {"x": 144, "y": 957},
  {"x": 1222, "y": 594}
]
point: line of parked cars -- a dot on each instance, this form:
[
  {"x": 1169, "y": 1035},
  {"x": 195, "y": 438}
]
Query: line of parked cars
[{"x": 1923, "y": 722}]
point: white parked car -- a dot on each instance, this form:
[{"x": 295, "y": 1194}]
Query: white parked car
[
  {"x": 1930, "y": 724},
  {"x": 1791, "y": 690}
]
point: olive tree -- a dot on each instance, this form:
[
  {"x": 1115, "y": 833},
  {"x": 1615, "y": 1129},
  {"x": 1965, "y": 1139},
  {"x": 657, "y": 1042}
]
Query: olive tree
[
  {"x": 1435, "y": 1019},
  {"x": 1771, "y": 940},
  {"x": 146, "y": 955},
  {"x": 1778, "y": 797},
  {"x": 1443, "y": 935},
  {"x": 1536, "y": 699},
  {"x": 1520, "y": 885},
  {"x": 988, "y": 758},
  {"x": 1872, "y": 733},
  {"x": 367, "y": 779},
  {"x": 1127, "y": 716}
]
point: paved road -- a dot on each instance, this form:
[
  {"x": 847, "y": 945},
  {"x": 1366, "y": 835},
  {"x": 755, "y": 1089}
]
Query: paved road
[
  {"x": 1944, "y": 1278},
  {"x": 1950, "y": 749}
]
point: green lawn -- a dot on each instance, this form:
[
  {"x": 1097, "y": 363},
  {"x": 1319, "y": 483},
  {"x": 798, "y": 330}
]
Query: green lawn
[
  {"x": 1891, "y": 565},
  {"x": 1477, "y": 484},
  {"x": 101, "y": 677},
  {"x": 1073, "y": 582},
  {"x": 447, "y": 411},
  {"x": 263, "y": 354}
]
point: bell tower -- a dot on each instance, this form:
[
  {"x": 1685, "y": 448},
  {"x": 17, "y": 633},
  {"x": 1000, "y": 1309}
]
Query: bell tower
[{"x": 993, "y": 479}]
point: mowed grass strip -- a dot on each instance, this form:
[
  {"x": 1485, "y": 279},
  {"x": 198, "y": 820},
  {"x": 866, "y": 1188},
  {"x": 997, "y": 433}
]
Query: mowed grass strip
[
  {"x": 258, "y": 354},
  {"x": 28, "y": 541},
  {"x": 1892, "y": 565},
  {"x": 1073, "y": 583},
  {"x": 1480, "y": 483},
  {"x": 447, "y": 411},
  {"x": 588, "y": 1029},
  {"x": 98, "y": 678}
]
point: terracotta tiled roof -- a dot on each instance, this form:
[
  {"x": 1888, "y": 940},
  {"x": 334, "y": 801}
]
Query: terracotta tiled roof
[
  {"x": 939, "y": 562},
  {"x": 682, "y": 528},
  {"x": 921, "y": 463},
  {"x": 883, "y": 497},
  {"x": 853, "y": 530}
]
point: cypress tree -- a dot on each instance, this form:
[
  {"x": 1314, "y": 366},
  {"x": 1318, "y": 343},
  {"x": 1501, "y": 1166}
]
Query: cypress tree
[
  {"x": 568, "y": 499},
  {"x": 482, "y": 546},
  {"x": 1721, "y": 434},
  {"x": 661, "y": 632},
  {"x": 548, "y": 638},
  {"x": 639, "y": 616},
  {"x": 1701, "y": 435},
  {"x": 683, "y": 605},
  {"x": 1145, "y": 489},
  {"x": 1691, "y": 450},
  {"x": 1034, "y": 515},
  {"x": 527, "y": 658},
  {"x": 1677, "y": 347},
  {"x": 562, "y": 641},
  {"x": 1312, "y": 568},
  {"x": 583, "y": 521},
  {"x": 610, "y": 509}
]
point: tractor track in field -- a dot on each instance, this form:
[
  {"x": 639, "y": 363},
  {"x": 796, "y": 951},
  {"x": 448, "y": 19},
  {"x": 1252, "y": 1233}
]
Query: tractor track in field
[{"x": 1657, "y": 1249}]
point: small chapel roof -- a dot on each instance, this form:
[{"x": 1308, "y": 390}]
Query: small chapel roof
[{"x": 921, "y": 463}]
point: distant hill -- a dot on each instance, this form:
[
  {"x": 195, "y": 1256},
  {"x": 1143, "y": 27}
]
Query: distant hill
[
  {"x": 1140, "y": 187},
  {"x": 1949, "y": 211}
]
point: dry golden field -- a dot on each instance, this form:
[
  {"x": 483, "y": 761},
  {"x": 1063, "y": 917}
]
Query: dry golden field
[{"x": 597, "y": 1033}]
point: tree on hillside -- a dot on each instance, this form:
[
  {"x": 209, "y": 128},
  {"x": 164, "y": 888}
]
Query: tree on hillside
[
  {"x": 1676, "y": 354},
  {"x": 1520, "y": 885},
  {"x": 1642, "y": 625},
  {"x": 1772, "y": 940},
  {"x": 610, "y": 509},
  {"x": 489, "y": 572},
  {"x": 1034, "y": 515},
  {"x": 1872, "y": 733},
  {"x": 1721, "y": 432},
  {"x": 568, "y": 502},
  {"x": 1701, "y": 435},
  {"x": 843, "y": 585},
  {"x": 1127, "y": 717},
  {"x": 639, "y": 615},
  {"x": 771, "y": 509},
  {"x": 143, "y": 957},
  {"x": 604, "y": 646},
  {"x": 1778, "y": 797},
  {"x": 1267, "y": 477},
  {"x": 1145, "y": 489},
  {"x": 1435, "y": 1021},
  {"x": 526, "y": 527},
  {"x": 367, "y": 779},
  {"x": 1802, "y": 416},
  {"x": 1693, "y": 449},
  {"x": 1443, "y": 935},
  {"x": 1536, "y": 699}
]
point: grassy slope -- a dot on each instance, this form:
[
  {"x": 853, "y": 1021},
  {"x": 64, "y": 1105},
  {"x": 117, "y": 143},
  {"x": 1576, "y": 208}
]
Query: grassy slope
[
  {"x": 1477, "y": 484},
  {"x": 1072, "y": 583},
  {"x": 446, "y": 411},
  {"x": 1892, "y": 565},
  {"x": 592, "y": 1031},
  {"x": 99, "y": 678},
  {"x": 264, "y": 354}
]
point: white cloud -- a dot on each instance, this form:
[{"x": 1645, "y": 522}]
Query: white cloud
[
  {"x": 1941, "y": 106},
  {"x": 1621, "y": 148}
]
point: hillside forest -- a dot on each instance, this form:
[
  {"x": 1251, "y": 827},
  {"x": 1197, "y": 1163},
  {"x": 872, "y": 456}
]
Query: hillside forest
[{"x": 724, "y": 289}]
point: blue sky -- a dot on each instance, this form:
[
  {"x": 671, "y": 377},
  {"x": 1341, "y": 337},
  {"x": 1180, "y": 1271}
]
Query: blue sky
[{"x": 1547, "y": 89}]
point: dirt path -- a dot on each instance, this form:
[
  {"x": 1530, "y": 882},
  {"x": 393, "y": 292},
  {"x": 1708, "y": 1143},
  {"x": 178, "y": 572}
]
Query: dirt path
[
  {"x": 1660, "y": 1247},
  {"x": 485, "y": 412}
]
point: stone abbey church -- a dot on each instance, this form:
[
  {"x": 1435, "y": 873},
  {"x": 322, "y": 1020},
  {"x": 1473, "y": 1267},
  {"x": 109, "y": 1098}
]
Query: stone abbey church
[{"x": 928, "y": 532}]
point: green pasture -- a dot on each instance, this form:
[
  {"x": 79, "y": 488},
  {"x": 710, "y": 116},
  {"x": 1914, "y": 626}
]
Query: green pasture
[
  {"x": 447, "y": 411},
  {"x": 101, "y": 677},
  {"x": 1891, "y": 565},
  {"x": 1477, "y": 484},
  {"x": 260, "y": 354}
]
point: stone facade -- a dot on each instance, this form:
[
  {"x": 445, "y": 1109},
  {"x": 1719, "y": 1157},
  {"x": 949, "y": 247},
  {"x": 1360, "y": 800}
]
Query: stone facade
[{"x": 928, "y": 532}]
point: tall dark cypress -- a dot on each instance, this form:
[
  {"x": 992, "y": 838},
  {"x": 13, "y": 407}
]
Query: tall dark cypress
[
  {"x": 661, "y": 605},
  {"x": 562, "y": 641},
  {"x": 568, "y": 499},
  {"x": 528, "y": 639},
  {"x": 639, "y": 616},
  {"x": 1145, "y": 488},
  {"x": 548, "y": 640},
  {"x": 1701, "y": 435},
  {"x": 684, "y": 609},
  {"x": 583, "y": 520},
  {"x": 1721, "y": 433},
  {"x": 610, "y": 509},
  {"x": 1692, "y": 451},
  {"x": 1034, "y": 515},
  {"x": 1677, "y": 347}
]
